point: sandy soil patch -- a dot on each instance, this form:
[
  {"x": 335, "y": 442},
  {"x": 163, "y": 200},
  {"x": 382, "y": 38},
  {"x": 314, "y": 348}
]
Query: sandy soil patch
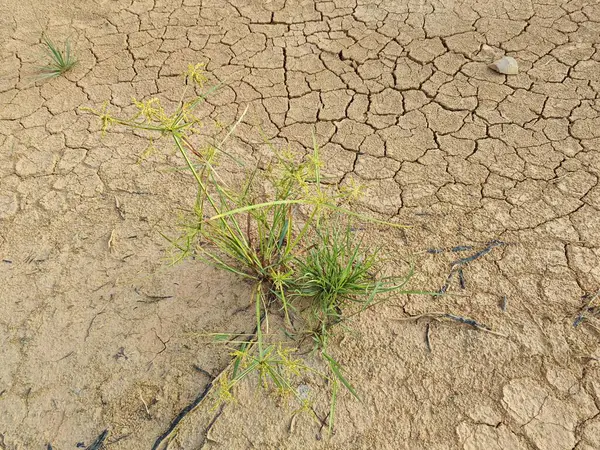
[{"x": 98, "y": 332}]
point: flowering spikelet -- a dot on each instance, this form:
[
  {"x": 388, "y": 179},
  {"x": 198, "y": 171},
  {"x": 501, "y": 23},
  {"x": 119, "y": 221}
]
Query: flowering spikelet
[
  {"x": 150, "y": 109},
  {"x": 105, "y": 118},
  {"x": 196, "y": 73}
]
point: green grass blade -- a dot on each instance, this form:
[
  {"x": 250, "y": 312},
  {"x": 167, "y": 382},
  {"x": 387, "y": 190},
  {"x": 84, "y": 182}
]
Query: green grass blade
[
  {"x": 258, "y": 206},
  {"x": 333, "y": 404},
  {"x": 335, "y": 368},
  {"x": 60, "y": 61}
]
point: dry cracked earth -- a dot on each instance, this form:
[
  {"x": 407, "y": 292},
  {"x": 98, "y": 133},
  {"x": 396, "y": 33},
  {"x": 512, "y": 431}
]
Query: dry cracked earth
[{"x": 98, "y": 332}]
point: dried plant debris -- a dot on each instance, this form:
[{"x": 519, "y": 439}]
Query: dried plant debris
[
  {"x": 427, "y": 338},
  {"x": 590, "y": 309},
  {"x": 98, "y": 444},
  {"x": 439, "y": 316},
  {"x": 456, "y": 266},
  {"x": 458, "y": 248}
]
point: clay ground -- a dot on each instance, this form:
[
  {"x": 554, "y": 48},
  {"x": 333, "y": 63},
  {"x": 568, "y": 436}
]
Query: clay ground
[{"x": 98, "y": 332}]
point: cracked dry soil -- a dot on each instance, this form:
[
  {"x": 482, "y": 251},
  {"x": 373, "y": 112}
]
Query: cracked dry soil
[{"x": 97, "y": 336}]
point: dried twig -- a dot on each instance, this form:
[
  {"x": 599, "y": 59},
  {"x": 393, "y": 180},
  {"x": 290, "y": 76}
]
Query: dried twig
[
  {"x": 118, "y": 208},
  {"x": 464, "y": 320},
  {"x": 145, "y": 404},
  {"x": 456, "y": 266},
  {"x": 458, "y": 248},
  {"x": 427, "y": 340},
  {"x": 162, "y": 442},
  {"x": 292, "y": 426},
  {"x": 197, "y": 368},
  {"x": 111, "y": 239},
  {"x": 99, "y": 442},
  {"x": 168, "y": 435},
  {"x": 588, "y": 310}
]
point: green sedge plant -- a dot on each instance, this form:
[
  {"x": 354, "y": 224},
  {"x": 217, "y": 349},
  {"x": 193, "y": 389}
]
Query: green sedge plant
[
  {"x": 60, "y": 60},
  {"x": 285, "y": 231}
]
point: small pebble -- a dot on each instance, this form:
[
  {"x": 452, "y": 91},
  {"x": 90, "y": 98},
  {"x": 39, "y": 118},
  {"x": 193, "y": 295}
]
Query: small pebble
[{"x": 506, "y": 65}]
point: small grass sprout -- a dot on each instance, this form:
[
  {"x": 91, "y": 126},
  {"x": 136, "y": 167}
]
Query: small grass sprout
[
  {"x": 61, "y": 61},
  {"x": 338, "y": 274}
]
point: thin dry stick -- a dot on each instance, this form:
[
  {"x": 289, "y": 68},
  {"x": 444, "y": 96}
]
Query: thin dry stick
[
  {"x": 111, "y": 240},
  {"x": 292, "y": 424},
  {"x": 164, "y": 440},
  {"x": 441, "y": 316},
  {"x": 162, "y": 443},
  {"x": 587, "y": 308},
  {"x": 99, "y": 442},
  {"x": 118, "y": 207},
  {"x": 427, "y": 339},
  {"x": 145, "y": 404}
]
